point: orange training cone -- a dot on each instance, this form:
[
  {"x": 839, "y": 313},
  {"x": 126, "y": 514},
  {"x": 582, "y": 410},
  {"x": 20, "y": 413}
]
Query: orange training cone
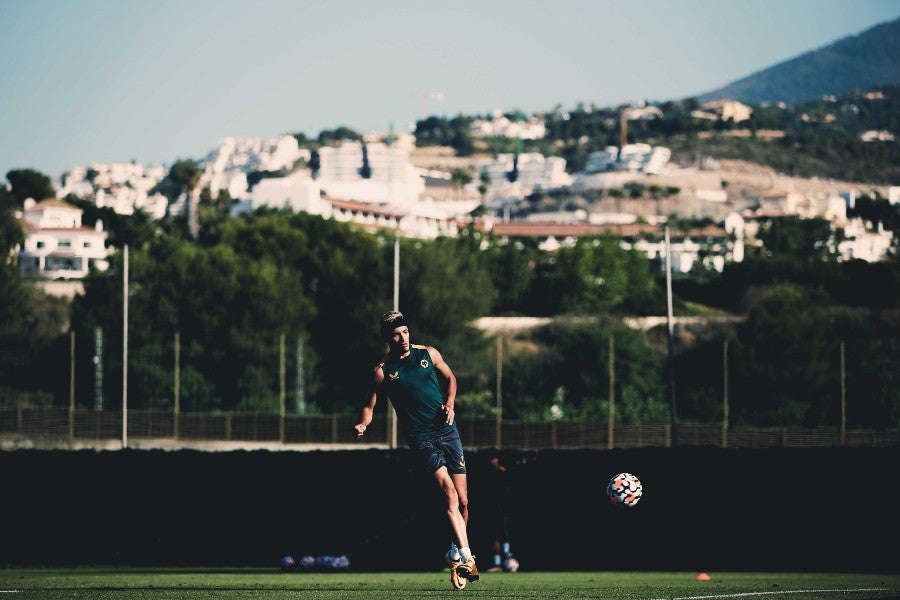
[{"x": 702, "y": 577}]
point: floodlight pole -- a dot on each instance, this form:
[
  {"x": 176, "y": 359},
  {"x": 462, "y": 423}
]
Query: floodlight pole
[
  {"x": 670, "y": 325},
  {"x": 498, "y": 424},
  {"x": 125, "y": 347},
  {"x": 392, "y": 414}
]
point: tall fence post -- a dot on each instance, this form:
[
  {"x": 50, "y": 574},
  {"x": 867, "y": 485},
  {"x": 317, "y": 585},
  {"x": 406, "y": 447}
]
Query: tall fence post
[
  {"x": 843, "y": 398},
  {"x": 72, "y": 384},
  {"x": 498, "y": 432},
  {"x": 300, "y": 400},
  {"x": 611, "y": 421},
  {"x": 725, "y": 406},
  {"x": 176, "y": 387},
  {"x": 281, "y": 388}
]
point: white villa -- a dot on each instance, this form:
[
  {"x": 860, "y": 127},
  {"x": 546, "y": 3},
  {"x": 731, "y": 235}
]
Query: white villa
[
  {"x": 56, "y": 245},
  {"x": 393, "y": 180}
]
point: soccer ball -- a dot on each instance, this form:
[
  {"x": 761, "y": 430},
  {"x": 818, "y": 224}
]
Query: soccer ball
[
  {"x": 340, "y": 563},
  {"x": 510, "y": 564},
  {"x": 287, "y": 562},
  {"x": 624, "y": 490},
  {"x": 307, "y": 561}
]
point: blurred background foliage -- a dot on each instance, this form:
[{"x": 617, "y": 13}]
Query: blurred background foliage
[{"x": 274, "y": 303}]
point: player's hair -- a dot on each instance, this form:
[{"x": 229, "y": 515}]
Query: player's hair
[{"x": 390, "y": 321}]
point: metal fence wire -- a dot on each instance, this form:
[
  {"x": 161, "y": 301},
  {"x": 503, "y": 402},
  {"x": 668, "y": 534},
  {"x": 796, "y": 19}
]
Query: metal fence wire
[{"x": 55, "y": 427}]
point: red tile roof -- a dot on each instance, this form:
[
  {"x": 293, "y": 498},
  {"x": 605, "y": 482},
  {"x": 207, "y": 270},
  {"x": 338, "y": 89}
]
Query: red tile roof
[
  {"x": 51, "y": 203},
  {"x": 366, "y": 207}
]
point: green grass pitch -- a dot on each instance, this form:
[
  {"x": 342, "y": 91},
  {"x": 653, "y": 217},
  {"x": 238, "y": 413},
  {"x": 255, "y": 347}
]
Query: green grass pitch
[{"x": 114, "y": 583}]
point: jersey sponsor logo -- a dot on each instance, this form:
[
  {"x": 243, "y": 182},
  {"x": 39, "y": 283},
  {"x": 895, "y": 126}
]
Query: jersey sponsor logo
[
  {"x": 394, "y": 375},
  {"x": 462, "y": 462},
  {"x": 424, "y": 363}
]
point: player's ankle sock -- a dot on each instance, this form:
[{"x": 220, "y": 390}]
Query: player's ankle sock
[
  {"x": 496, "y": 560},
  {"x": 505, "y": 547},
  {"x": 465, "y": 554},
  {"x": 454, "y": 551}
]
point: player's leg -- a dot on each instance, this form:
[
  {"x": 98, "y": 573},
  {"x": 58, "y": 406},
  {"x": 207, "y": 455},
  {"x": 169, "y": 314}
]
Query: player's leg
[
  {"x": 457, "y": 528},
  {"x": 451, "y": 446},
  {"x": 435, "y": 458},
  {"x": 454, "y": 514}
]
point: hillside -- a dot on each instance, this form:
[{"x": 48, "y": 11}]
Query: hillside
[{"x": 853, "y": 63}]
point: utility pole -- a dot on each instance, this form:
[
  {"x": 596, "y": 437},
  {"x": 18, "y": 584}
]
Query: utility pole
[
  {"x": 392, "y": 414},
  {"x": 670, "y": 325},
  {"x": 125, "y": 347}
]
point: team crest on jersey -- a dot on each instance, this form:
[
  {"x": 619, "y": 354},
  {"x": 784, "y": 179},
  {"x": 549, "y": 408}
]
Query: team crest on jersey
[
  {"x": 424, "y": 363},
  {"x": 394, "y": 375}
]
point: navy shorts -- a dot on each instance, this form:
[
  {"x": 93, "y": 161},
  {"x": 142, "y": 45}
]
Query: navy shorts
[{"x": 442, "y": 451}]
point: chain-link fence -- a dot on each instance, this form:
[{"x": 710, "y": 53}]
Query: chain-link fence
[{"x": 62, "y": 428}]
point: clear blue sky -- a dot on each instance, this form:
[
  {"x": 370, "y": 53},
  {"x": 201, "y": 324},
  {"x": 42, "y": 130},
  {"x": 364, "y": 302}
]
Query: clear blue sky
[{"x": 158, "y": 80}]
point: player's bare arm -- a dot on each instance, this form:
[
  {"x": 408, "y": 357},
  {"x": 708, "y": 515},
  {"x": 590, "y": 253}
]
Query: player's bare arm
[
  {"x": 368, "y": 409},
  {"x": 450, "y": 394}
]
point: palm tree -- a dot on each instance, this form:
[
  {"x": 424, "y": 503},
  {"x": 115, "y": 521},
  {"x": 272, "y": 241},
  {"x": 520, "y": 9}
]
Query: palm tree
[{"x": 460, "y": 178}]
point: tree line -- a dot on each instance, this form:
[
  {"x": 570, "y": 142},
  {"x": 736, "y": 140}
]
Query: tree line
[{"x": 244, "y": 283}]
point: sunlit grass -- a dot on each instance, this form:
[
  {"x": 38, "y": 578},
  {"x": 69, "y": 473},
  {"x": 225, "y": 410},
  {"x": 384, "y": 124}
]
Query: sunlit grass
[{"x": 152, "y": 584}]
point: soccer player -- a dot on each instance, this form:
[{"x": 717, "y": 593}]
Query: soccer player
[{"x": 409, "y": 377}]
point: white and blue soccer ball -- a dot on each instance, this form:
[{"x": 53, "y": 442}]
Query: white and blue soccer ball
[
  {"x": 287, "y": 562},
  {"x": 624, "y": 490},
  {"x": 510, "y": 564},
  {"x": 340, "y": 563},
  {"x": 307, "y": 561}
]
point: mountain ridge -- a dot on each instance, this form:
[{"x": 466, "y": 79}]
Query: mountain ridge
[{"x": 852, "y": 63}]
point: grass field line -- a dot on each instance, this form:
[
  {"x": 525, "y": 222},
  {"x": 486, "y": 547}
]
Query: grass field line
[{"x": 775, "y": 593}]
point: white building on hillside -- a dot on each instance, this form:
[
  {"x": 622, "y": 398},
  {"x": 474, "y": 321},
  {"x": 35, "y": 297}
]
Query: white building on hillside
[
  {"x": 534, "y": 172},
  {"x": 227, "y": 166},
  {"x": 123, "y": 187},
  {"x": 255, "y": 154},
  {"x": 56, "y": 245},
  {"x": 636, "y": 158},
  {"x": 499, "y": 125},
  {"x": 297, "y": 192},
  {"x": 863, "y": 243},
  {"x": 729, "y": 110},
  {"x": 393, "y": 178}
]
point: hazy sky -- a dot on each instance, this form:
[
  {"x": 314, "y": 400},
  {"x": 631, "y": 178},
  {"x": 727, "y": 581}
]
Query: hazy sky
[{"x": 158, "y": 80}]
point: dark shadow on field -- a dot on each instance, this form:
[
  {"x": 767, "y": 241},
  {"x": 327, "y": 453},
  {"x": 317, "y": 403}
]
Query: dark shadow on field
[{"x": 703, "y": 509}]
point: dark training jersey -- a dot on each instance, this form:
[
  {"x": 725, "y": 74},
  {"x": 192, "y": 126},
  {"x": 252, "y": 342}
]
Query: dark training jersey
[{"x": 413, "y": 386}]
